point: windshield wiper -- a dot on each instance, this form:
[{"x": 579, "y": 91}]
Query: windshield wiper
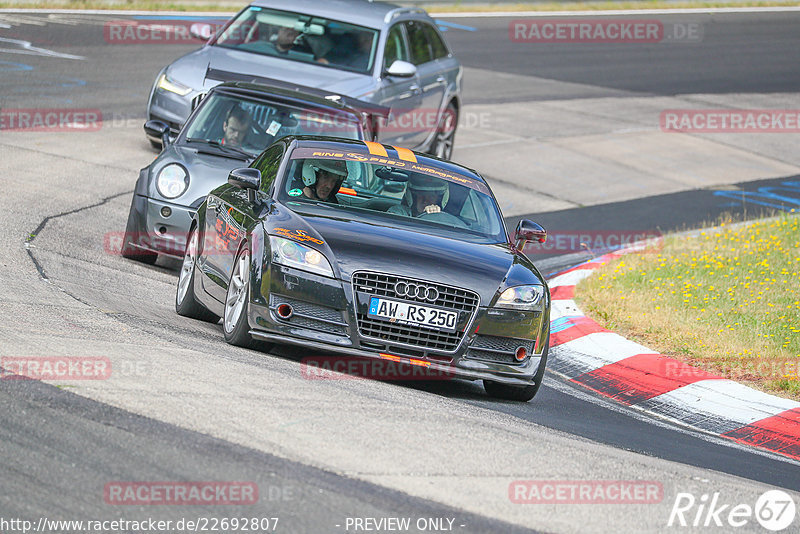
[{"x": 231, "y": 150}]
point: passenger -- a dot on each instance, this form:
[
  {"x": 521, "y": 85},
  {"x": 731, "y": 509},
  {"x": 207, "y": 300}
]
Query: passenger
[
  {"x": 287, "y": 39},
  {"x": 323, "y": 178},
  {"x": 423, "y": 195},
  {"x": 236, "y": 126}
]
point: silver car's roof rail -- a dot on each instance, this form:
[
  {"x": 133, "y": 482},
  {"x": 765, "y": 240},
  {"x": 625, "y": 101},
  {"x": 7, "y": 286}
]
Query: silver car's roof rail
[{"x": 393, "y": 14}]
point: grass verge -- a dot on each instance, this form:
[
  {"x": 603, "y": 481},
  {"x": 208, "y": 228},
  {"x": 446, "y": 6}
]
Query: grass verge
[
  {"x": 456, "y": 7},
  {"x": 726, "y": 300}
]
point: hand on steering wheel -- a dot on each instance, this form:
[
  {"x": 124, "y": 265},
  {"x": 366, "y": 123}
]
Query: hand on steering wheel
[{"x": 433, "y": 208}]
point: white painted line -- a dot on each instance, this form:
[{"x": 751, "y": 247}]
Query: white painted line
[
  {"x": 563, "y": 308},
  {"x": 571, "y": 278},
  {"x": 606, "y": 346},
  {"x": 27, "y": 48},
  {"x": 717, "y": 406}
]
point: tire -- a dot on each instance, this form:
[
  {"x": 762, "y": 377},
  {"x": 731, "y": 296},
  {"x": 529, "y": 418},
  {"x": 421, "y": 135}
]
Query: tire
[
  {"x": 185, "y": 302},
  {"x": 129, "y": 251},
  {"x": 156, "y": 144},
  {"x": 235, "y": 327},
  {"x": 520, "y": 393},
  {"x": 442, "y": 145}
]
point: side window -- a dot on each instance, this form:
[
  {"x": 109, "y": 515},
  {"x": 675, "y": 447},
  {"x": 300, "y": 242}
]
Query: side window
[
  {"x": 395, "y": 47},
  {"x": 268, "y": 163},
  {"x": 438, "y": 47},
  {"x": 418, "y": 42}
]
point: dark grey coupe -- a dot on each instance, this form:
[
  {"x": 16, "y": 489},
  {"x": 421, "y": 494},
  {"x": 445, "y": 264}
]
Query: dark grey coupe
[{"x": 370, "y": 251}]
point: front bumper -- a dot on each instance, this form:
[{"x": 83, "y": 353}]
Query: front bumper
[
  {"x": 324, "y": 319},
  {"x": 157, "y": 233}
]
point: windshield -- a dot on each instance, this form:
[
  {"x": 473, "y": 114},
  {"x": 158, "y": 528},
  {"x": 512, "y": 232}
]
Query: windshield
[
  {"x": 302, "y": 38},
  {"x": 400, "y": 193},
  {"x": 251, "y": 125}
]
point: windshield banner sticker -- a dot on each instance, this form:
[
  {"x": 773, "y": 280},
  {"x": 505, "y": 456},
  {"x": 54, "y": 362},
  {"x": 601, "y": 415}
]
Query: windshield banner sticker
[{"x": 306, "y": 153}]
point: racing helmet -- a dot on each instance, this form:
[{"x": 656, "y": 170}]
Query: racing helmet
[
  {"x": 419, "y": 184},
  {"x": 312, "y": 166}
]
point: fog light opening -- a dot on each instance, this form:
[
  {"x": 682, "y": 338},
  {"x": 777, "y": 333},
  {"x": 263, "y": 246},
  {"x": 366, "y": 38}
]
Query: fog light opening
[
  {"x": 285, "y": 311},
  {"x": 162, "y": 230},
  {"x": 521, "y": 354}
]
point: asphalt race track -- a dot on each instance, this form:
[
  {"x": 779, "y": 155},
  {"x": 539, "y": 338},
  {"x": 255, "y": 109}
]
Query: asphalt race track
[{"x": 567, "y": 134}]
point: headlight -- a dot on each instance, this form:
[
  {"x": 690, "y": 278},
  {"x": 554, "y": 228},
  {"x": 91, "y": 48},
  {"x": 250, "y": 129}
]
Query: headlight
[
  {"x": 521, "y": 297},
  {"x": 293, "y": 254},
  {"x": 173, "y": 86},
  {"x": 172, "y": 181}
]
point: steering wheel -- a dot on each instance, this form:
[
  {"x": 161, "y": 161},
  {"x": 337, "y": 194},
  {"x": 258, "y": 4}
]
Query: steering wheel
[{"x": 444, "y": 218}]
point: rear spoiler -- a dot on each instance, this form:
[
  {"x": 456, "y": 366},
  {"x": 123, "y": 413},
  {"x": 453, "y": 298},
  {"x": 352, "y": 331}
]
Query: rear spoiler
[{"x": 353, "y": 103}]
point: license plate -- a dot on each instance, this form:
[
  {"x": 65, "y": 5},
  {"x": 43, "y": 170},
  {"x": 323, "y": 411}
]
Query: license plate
[{"x": 408, "y": 313}]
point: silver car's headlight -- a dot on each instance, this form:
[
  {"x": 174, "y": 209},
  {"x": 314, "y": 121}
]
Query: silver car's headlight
[
  {"x": 292, "y": 254},
  {"x": 521, "y": 298},
  {"x": 172, "y": 86},
  {"x": 173, "y": 180}
]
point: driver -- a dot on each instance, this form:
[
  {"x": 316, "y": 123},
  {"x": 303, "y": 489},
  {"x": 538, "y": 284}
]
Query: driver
[
  {"x": 423, "y": 195},
  {"x": 323, "y": 178},
  {"x": 235, "y": 127}
]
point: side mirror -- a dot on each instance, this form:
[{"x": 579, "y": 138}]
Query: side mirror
[
  {"x": 157, "y": 131},
  {"x": 401, "y": 69},
  {"x": 528, "y": 230},
  {"x": 246, "y": 178}
]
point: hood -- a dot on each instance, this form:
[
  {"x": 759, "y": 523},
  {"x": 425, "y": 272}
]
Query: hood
[
  {"x": 354, "y": 245},
  {"x": 206, "y": 171},
  {"x": 191, "y": 69}
]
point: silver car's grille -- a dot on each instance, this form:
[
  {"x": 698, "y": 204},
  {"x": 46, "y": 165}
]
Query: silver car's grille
[
  {"x": 452, "y": 298},
  {"x": 497, "y": 349}
]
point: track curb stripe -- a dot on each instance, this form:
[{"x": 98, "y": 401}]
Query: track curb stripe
[{"x": 587, "y": 354}]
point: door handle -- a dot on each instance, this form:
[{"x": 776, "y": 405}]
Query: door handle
[
  {"x": 415, "y": 90},
  {"x": 441, "y": 79}
]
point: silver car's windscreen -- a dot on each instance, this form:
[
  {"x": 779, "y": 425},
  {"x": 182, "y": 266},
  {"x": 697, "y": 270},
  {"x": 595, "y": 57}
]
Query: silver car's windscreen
[
  {"x": 253, "y": 125},
  {"x": 402, "y": 194},
  {"x": 302, "y": 38}
]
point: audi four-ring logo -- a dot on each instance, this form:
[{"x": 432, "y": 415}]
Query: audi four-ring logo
[{"x": 416, "y": 291}]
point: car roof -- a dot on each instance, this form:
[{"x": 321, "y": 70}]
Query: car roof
[
  {"x": 329, "y": 144},
  {"x": 360, "y": 12}
]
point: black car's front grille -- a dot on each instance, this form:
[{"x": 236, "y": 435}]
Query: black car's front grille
[
  {"x": 497, "y": 349},
  {"x": 311, "y": 316},
  {"x": 382, "y": 285},
  {"x": 408, "y": 334},
  {"x": 452, "y": 298}
]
